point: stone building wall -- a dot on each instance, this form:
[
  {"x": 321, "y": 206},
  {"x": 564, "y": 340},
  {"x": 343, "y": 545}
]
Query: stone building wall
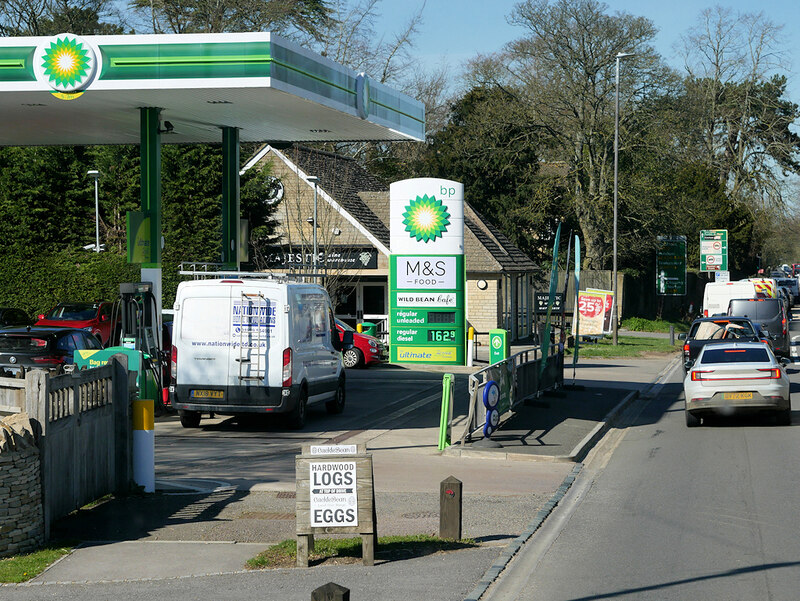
[
  {"x": 21, "y": 513},
  {"x": 483, "y": 307}
]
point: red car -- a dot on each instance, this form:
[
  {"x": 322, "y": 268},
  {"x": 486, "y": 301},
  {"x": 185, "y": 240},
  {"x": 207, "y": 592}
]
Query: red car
[
  {"x": 90, "y": 317},
  {"x": 365, "y": 351}
]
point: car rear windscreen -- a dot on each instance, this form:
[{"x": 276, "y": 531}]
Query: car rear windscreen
[
  {"x": 77, "y": 312},
  {"x": 743, "y": 355},
  {"x": 21, "y": 343},
  {"x": 757, "y": 310},
  {"x": 722, "y": 330}
]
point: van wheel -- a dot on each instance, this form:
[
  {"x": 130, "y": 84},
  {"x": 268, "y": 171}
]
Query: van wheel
[
  {"x": 298, "y": 416},
  {"x": 352, "y": 358},
  {"x": 190, "y": 419},
  {"x": 336, "y": 404}
]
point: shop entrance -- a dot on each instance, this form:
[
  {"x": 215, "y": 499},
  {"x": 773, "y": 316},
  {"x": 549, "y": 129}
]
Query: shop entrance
[{"x": 365, "y": 301}]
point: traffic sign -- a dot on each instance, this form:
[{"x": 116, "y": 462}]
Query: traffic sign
[
  {"x": 671, "y": 266},
  {"x": 713, "y": 250}
]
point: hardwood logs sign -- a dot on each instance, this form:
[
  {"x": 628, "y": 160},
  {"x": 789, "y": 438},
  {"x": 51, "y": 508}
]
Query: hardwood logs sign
[{"x": 335, "y": 495}]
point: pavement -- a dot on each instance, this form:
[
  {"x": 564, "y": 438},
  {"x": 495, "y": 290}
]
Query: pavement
[{"x": 508, "y": 489}]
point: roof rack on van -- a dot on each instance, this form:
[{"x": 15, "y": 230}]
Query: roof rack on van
[{"x": 220, "y": 270}]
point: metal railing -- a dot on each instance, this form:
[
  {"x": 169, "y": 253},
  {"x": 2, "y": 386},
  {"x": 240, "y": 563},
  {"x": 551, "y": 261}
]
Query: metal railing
[{"x": 520, "y": 378}]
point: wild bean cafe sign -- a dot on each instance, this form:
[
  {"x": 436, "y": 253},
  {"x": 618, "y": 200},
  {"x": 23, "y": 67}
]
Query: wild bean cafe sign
[{"x": 426, "y": 271}]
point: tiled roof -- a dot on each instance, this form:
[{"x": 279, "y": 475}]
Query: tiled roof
[
  {"x": 342, "y": 178},
  {"x": 508, "y": 256}
]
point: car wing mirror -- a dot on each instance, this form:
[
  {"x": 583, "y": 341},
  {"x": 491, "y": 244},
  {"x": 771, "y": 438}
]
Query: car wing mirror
[
  {"x": 682, "y": 336},
  {"x": 336, "y": 340},
  {"x": 784, "y": 361},
  {"x": 347, "y": 340}
]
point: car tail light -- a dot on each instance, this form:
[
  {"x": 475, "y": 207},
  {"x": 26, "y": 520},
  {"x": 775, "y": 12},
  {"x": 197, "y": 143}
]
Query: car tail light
[
  {"x": 287, "y": 367},
  {"x": 173, "y": 364},
  {"x": 705, "y": 312},
  {"x": 686, "y": 349},
  {"x": 697, "y": 376},
  {"x": 774, "y": 373}
]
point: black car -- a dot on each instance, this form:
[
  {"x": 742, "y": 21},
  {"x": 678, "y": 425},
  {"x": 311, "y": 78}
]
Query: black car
[
  {"x": 9, "y": 316},
  {"x": 717, "y": 329},
  {"x": 35, "y": 347}
]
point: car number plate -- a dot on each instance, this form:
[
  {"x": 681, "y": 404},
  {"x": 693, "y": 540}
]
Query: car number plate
[
  {"x": 205, "y": 394},
  {"x": 737, "y": 396}
]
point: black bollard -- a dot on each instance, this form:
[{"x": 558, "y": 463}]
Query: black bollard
[
  {"x": 450, "y": 508},
  {"x": 330, "y": 592}
]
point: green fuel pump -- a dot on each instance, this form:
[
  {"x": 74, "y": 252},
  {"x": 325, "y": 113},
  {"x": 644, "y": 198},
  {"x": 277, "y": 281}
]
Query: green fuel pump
[{"x": 140, "y": 330}]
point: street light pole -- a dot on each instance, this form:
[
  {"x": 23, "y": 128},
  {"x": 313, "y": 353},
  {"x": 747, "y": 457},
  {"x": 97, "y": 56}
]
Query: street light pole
[
  {"x": 615, "y": 317},
  {"x": 314, "y": 179},
  {"x": 94, "y": 173}
]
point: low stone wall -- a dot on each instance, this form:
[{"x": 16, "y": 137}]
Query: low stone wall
[{"x": 21, "y": 513}]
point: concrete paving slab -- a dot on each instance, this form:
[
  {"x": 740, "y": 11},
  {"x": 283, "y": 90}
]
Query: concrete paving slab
[{"x": 133, "y": 560}]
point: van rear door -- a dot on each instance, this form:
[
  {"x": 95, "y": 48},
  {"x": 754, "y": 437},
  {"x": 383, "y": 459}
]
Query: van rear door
[{"x": 203, "y": 339}]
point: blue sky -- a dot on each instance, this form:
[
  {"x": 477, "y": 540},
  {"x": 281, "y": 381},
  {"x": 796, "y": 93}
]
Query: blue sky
[{"x": 456, "y": 30}]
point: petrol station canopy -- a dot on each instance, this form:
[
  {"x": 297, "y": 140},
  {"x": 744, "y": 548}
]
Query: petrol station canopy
[{"x": 71, "y": 90}]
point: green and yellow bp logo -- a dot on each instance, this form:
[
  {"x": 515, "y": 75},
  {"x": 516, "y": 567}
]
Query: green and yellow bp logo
[
  {"x": 426, "y": 218},
  {"x": 65, "y": 62}
]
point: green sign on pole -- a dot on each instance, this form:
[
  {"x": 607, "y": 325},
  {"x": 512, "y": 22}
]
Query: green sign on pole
[
  {"x": 671, "y": 266},
  {"x": 713, "y": 250}
]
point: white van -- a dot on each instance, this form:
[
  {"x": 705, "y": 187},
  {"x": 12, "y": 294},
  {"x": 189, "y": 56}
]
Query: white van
[
  {"x": 267, "y": 346},
  {"x": 717, "y": 295}
]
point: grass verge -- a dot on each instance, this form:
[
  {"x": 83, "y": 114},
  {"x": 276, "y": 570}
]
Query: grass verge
[
  {"x": 348, "y": 550},
  {"x": 629, "y": 346},
  {"x": 22, "y": 568},
  {"x": 639, "y": 324}
]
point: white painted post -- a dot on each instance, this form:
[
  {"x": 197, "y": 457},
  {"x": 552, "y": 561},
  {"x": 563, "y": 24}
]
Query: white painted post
[{"x": 144, "y": 444}]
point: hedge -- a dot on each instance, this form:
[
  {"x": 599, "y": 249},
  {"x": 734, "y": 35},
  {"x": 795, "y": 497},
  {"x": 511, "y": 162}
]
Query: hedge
[{"x": 35, "y": 284}]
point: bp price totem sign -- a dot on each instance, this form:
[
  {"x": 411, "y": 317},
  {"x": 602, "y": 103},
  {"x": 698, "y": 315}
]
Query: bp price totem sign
[
  {"x": 713, "y": 250},
  {"x": 426, "y": 271}
]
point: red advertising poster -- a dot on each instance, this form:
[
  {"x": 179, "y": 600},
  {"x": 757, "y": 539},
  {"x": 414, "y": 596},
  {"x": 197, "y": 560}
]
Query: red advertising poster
[
  {"x": 608, "y": 308},
  {"x": 591, "y": 307}
]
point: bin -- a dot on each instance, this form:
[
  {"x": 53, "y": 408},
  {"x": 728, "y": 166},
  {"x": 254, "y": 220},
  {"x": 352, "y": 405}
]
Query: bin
[{"x": 369, "y": 328}]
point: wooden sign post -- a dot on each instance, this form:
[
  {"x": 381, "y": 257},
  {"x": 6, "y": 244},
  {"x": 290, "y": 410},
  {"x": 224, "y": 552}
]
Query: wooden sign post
[{"x": 335, "y": 495}]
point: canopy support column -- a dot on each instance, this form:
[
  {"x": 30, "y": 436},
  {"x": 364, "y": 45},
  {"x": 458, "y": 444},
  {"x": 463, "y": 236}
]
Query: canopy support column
[
  {"x": 231, "y": 210},
  {"x": 150, "y": 194}
]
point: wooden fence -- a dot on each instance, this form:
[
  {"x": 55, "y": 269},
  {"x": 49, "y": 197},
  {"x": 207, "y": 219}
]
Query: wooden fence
[{"x": 84, "y": 434}]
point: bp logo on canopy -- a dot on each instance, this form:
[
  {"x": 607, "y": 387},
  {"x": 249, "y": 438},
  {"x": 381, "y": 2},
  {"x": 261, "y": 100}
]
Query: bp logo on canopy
[{"x": 65, "y": 62}]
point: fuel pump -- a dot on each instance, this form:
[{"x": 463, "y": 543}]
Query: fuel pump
[{"x": 140, "y": 330}]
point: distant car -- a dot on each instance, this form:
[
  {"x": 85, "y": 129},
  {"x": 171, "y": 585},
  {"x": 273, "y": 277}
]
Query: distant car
[
  {"x": 714, "y": 330},
  {"x": 10, "y": 316},
  {"x": 737, "y": 377},
  {"x": 366, "y": 350},
  {"x": 91, "y": 317},
  {"x": 37, "y": 347}
]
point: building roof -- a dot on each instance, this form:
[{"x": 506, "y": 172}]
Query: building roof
[
  {"x": 343, "y": 179},
  {"x": 505, "y": 254}
]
